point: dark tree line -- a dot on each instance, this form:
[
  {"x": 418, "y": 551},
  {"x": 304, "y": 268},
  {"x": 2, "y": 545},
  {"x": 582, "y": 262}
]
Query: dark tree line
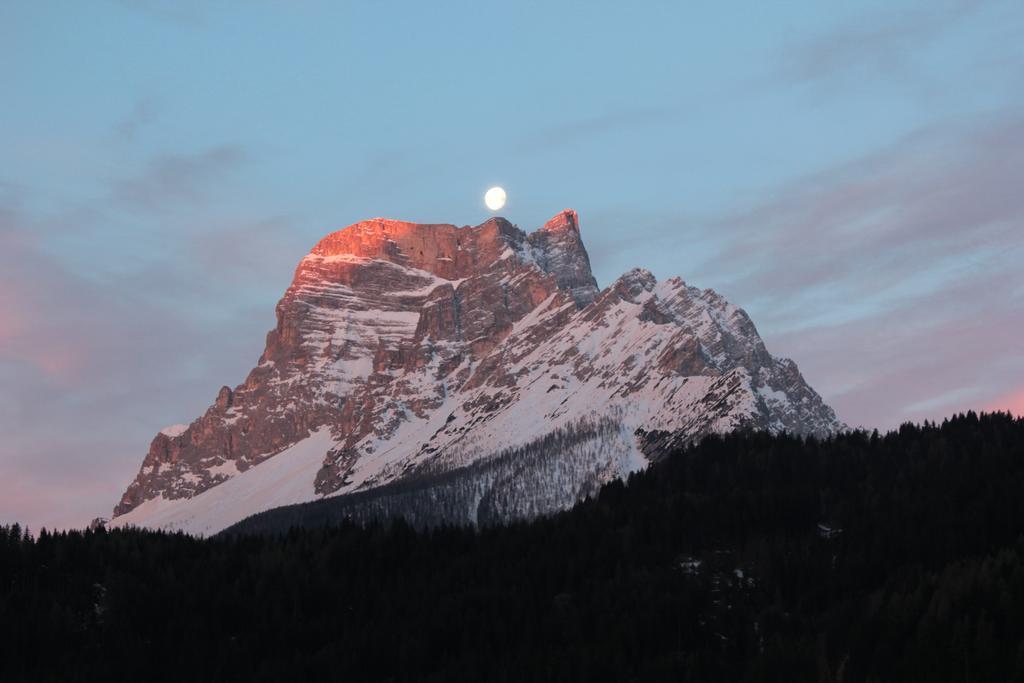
[{"x": 747, "y": 557}]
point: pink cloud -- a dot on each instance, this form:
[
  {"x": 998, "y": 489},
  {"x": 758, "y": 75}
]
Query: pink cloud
[
  {"x": 93, "y": 365},
  {"x": 12, "y": 322},
  {"x": 1012, "y": 402}
]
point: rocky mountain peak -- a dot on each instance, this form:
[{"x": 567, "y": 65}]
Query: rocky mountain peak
[
  {"x": 456, "y": 253},
  {"x": 565, "y": 220},
  {"x": 559, "y": 250},
  {"x": 633, "y": 283},
  {"x": 404, "y": 351}
]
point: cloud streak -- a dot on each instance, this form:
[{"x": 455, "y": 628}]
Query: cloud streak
[
  {"x": 171, "y": 180},
  {"x": 582, "y": 129},
  {"x": 894, "y": 280},
  {"x": 144, "y": 112},
  {"x": 880, "y": 43}
]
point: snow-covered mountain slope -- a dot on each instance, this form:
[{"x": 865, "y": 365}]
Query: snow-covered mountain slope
[
  {"x": 422, "y": 349},
  {"x": 281, "y": 480},
  {"x": 521, "y": 482}
]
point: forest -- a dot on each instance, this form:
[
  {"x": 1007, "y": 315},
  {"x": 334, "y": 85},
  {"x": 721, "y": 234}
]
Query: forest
[{"x": 744, "y": 557}]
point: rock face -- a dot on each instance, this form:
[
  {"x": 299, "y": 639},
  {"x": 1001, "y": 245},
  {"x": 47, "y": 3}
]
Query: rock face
[{"x": 425, "y": 348}]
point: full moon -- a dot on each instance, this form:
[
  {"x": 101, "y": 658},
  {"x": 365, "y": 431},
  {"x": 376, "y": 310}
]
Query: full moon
[{"x": 495, "y": 198}]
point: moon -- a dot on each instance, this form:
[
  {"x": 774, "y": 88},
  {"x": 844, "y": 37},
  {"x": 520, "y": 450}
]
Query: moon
[{"x": 495, "y": 198}]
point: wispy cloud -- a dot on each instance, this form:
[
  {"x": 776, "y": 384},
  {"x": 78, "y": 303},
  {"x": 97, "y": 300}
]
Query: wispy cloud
[
  {"x": 942, "y": 198},
  {"x": 240, "y": 251},
  {"x": 881, "y": 42},
  {"x": 93, "y": 359},
  {"x": 92, "y": 368},
  {"x": 172, "y": 179},
  {"x": 143, "y": 113},
  {"x": 894, "y": 280},
  {"x": 927, "y": 357},
  {"x": 584, "y": 128}
]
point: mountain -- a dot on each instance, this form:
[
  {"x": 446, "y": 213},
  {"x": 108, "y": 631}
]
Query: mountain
[{"x": 405, "y": 352}]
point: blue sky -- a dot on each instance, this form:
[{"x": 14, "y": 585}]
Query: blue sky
[{"x": 849, "y": 173}]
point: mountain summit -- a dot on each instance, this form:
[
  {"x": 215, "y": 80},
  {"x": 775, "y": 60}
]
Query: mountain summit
[{"x": 404, "y": 351}]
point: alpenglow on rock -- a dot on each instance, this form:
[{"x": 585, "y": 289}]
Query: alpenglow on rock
[{"x": 404, "y": 351}]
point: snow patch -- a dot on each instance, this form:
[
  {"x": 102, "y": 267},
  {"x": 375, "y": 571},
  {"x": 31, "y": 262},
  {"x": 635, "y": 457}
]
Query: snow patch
[{"x": 283, "y": 479}]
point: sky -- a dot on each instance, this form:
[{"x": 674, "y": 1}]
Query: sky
[{"x": 851, "y": 174}]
